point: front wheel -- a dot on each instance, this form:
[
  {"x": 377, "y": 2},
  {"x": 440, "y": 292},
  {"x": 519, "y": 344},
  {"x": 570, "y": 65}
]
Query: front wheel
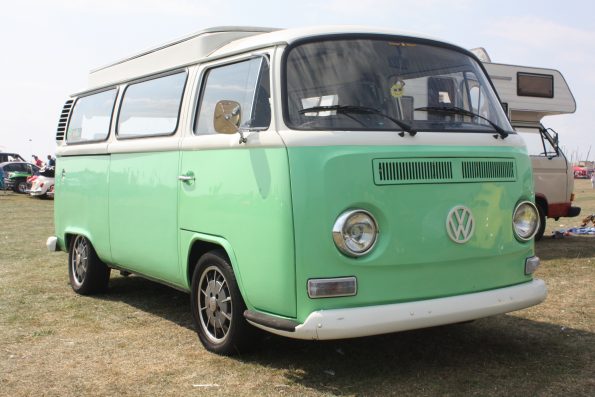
[
  {"x": 88, "y": 275},
  {"x": 542, "y": 220},
  {"x": 218, "y": 307}
]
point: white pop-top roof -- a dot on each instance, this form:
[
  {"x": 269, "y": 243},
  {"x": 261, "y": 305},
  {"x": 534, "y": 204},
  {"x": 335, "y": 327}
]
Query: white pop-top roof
[{"x": 213, "y": 43}]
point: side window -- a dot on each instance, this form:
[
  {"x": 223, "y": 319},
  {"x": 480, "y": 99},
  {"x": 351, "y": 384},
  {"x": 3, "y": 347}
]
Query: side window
[
  {"x": 536, "y": 143},
  {"x": 91, "y": 117},
  {"x": 151, "y": 107},
  {"x": 244, "y": 82},
  {"x": 535, "y": 85}
]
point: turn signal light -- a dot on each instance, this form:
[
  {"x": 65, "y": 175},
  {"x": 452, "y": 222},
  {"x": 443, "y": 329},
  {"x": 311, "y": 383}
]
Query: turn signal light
[{"x": 332, "y": 287}]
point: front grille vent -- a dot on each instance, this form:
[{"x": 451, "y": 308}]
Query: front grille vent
[
  {"x": 63, "y": 122},
  {"x": 443, "y": 170},
  {"x": 414, "y": 171},
  {"x": 488, "y": 169}
]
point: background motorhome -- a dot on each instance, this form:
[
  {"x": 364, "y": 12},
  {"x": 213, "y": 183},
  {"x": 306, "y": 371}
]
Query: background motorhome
[{"x": 528, "y": 94}]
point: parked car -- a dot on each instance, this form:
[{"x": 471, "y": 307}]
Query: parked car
[
  {"x": 15, "y": 173},
  {"x": 41, "y": 183},
  {"x": 5, "y": 157},
  {"x": 580, "y": 173}
]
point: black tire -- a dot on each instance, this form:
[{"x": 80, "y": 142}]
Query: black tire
[
  {"x": 20, "y": 186},
  {"x": 220, "y": 325},
  {"x": 542, "y": 221},
  {"x": 88, "y": 275}
]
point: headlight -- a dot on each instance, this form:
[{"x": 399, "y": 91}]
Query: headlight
[
  {"x": 525, "y": 221},
  {"x": 355, "y": 232}
]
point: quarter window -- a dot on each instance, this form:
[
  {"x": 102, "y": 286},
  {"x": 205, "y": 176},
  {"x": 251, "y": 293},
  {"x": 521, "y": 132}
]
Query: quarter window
[
  {"x": 151, "y": 107},
  {"x": 244, "y": 82},
  {"x": 91, "y": 117}
]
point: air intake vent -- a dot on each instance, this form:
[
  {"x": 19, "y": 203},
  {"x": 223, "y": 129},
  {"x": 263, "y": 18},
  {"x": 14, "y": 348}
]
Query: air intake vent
[
  {"x": 442, "y": 170},
  {"x": 500, "y": 170},
  {"x": 63, "y": 122},
  {"x": 389, "y": 172}
]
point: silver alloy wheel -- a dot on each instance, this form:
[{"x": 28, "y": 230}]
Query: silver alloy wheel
[
  {"x": 214, "y": 304},
  {"x": 80, "y": 259}
]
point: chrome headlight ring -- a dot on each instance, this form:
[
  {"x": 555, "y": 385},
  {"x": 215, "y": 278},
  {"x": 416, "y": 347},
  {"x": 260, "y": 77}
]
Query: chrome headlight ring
[
  {"x": 355, "y": 232},
  {"x": 525, "y": 221}
]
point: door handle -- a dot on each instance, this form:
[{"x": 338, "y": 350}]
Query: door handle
[{"x": 188, "y": 178}]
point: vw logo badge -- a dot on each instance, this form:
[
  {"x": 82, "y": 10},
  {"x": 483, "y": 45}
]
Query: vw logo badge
[{"x": 460, "y": 224}]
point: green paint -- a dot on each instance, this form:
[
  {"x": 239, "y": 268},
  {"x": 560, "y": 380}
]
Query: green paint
[
  {"x": 272, "y": 210},
  {"x": 243, "y": 196},
  {"x": 414, "y": 257},
  {"x": 143, "y": 210},
  {"x": 81, "y": 200}
]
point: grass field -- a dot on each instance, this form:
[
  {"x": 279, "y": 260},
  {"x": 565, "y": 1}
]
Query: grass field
[{"x": 138, "y": 338}]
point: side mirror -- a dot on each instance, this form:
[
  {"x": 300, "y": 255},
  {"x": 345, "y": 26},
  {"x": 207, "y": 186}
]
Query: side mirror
[{"x": 227, "y": 117}]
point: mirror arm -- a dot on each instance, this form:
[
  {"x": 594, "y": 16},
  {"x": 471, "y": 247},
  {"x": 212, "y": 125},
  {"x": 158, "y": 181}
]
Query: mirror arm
[{"x": 243, "y": 139}]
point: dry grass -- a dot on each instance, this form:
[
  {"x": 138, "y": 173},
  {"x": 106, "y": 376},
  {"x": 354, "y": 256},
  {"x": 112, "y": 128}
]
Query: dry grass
[{"x": 138, "y": 339}]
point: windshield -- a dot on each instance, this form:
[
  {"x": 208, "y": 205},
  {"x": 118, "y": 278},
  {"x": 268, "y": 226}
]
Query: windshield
[{"x": 328, "y": 83}]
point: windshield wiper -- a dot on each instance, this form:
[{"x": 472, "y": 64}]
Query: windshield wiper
[
  {"x": 464, "y": 112},
  {"x": 346, "y": 109}
]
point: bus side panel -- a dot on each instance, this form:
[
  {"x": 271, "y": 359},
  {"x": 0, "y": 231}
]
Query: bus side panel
[
  {"x": 243, "y": 196},
  {"x": 81, "y": 200},
  {"x": 143, "y": 201}
]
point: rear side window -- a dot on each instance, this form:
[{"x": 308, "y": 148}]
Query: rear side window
[
  {"x": 151, "y": 107},
  {"x": 91, "y": 117}
]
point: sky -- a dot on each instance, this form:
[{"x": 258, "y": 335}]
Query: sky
[{"x": 48, "y": 47}]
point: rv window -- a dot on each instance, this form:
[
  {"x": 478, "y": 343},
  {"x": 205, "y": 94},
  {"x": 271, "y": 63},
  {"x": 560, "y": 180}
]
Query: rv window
[
  {"x": 244, "y": 82},
  {"x": 91, "y": 117},
  {"x": 151, "y": 107},
  {"x": 535, "y": 85}
]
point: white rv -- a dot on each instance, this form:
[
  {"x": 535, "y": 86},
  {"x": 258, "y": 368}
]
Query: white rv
[{"x": 528, "y": 94}]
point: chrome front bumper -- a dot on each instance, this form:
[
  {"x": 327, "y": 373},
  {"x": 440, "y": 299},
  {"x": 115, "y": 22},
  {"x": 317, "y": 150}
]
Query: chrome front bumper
[{"x": 382, "y": 319}]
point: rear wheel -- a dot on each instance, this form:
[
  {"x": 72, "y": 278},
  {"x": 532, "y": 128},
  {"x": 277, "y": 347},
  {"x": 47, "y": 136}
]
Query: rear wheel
[
  {"x": 20, "y": 186},
  {"x": 542, "y": 220},
  {"x": 88, "y": 275},
  {"x": 218, "y": 307}
]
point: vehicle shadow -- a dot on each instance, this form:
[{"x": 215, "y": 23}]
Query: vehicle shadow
[
  {"x": 151, "y": 297},
  {"x": 490, "y": 356}
]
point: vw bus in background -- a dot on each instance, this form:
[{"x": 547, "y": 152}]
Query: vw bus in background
[
  {"x": 317, "y": 183},
  {"x": 529, "y": 94}
]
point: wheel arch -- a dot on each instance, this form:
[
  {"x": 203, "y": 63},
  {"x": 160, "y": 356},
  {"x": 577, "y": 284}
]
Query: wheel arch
[
  {"x": 69, "y": 233},
  {"x": 199, "y": 245}
]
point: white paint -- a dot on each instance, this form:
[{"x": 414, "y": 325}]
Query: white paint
[{"x": 382, "y": 319}]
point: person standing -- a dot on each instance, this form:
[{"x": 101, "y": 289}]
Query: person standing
[
  {"x": 51, "y": 161},
  {"x": 593, "y": 179},
  {"x": 38, "y": 161}
]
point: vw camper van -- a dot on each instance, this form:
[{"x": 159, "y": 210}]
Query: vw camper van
[{"x": 316, "y": 183}]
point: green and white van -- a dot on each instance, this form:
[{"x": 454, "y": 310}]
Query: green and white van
[{"x": 317, "y": 183}]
